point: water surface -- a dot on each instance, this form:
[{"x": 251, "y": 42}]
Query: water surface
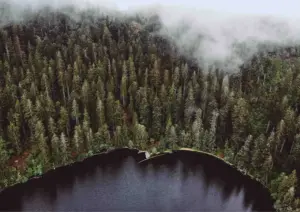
[{"x": 182, "y": 181}]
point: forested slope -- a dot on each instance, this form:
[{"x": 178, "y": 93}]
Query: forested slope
[{"x": 70, "y": 89}]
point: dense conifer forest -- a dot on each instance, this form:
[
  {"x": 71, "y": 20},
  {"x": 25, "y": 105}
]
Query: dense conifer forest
[{"x": 70, "y": 89}]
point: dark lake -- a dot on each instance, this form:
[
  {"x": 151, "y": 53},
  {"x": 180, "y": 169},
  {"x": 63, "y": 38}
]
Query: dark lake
[{"x": 181, "y": 181}]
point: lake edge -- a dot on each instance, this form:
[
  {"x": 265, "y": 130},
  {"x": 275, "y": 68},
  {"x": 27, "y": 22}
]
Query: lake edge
[{"x": 152, "y": 156}]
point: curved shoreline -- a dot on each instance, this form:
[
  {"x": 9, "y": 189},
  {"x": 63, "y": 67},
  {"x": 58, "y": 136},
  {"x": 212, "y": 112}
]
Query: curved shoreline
[
  {"x": 159, "y": 154},
  {"x": 147, "y": 157},
  {"x": 106, "y": 151},
  {"x": 151, "y": 156}
]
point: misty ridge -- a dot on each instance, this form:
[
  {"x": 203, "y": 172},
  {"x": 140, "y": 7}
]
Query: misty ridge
[{"x": 212, "y": 39}]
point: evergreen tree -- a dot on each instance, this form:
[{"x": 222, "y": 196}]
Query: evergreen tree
[
  {"x": 260, "y": 153},
  {"x": 243, "y": 157},
  {"x": 156, "y": 118},
  {"x": 4, "y": 153}
]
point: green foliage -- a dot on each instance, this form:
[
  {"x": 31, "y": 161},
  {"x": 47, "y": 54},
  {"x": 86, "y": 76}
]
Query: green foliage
[
  {"x": 257, "y": 120},
  {"x": 34, "y": 168},
  {"x": 243, "y": 157},
  {"x": 284, "y": 192},
  {"x": 4, "y": 152},
  {"x": 228, "y": 153},
  {"x": 130, "y": 144}
]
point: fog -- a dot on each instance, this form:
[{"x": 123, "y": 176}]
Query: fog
[{"x": 224, "y": 34}]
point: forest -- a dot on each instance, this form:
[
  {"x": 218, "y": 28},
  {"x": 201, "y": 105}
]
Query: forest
[{"x": 70, "y": 89}]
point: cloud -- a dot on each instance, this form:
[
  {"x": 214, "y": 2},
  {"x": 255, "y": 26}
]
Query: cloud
[{"x": 223, "y": 39}]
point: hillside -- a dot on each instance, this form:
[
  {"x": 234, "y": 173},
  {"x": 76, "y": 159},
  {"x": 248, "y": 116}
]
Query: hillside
[{"x": 69, "y": 89}]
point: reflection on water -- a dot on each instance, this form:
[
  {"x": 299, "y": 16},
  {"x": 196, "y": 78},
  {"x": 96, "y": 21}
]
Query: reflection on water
[{"x": 124, "y": 185}]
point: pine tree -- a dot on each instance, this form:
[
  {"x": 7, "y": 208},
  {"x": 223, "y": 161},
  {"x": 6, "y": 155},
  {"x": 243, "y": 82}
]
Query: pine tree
[
  {"x": 279, "y": 137},
  {"x": 86, "y": 128},
  {"x": 14, "y": 137},
  {"x": 143, "y": 109},
  {"x": 243, "y": 157},
  {"x": 228, "y": 153},
  {"x": 140, "y": 136},
  {"x": 197, "y": 129},
  {"x": 100, "y": 112},
  {"x": 78, "y": 138},
  {"x": 64, "y": 148},
  {"x": 41, "y": 140},
  {"x": 4, "y": 153},
  {"x": 189, "y": 107},
  {"x": 75, "y": 111},
  {"x": 118, "y": 115},
  {"x": 171, "y": 138},
  {"x": 85, "y": 91},
  {"x": 295, "y": 150},
  {"x": 109, "y": 108},
  {"x": 102, "y": 137},
  {"x": 124, "y": 90},
  {"x": 240, "y": 121},
  {"x": 212, "y": 132},
  {"x": 286, "y": 191},
  {"x": 156, "y": 118},
  {"x": 64, "y": 120},
  {"x": 260, "y": 152}
]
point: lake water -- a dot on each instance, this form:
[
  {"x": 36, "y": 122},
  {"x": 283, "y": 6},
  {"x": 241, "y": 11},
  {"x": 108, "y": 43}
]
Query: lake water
[{"x": 182, "y": 181}]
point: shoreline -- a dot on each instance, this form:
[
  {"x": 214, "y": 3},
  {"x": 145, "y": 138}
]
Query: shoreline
[
  {"x": 148, "y": 157},
  {"x": 106, "y": 151},
  {"x": 159, "y": 154}
]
